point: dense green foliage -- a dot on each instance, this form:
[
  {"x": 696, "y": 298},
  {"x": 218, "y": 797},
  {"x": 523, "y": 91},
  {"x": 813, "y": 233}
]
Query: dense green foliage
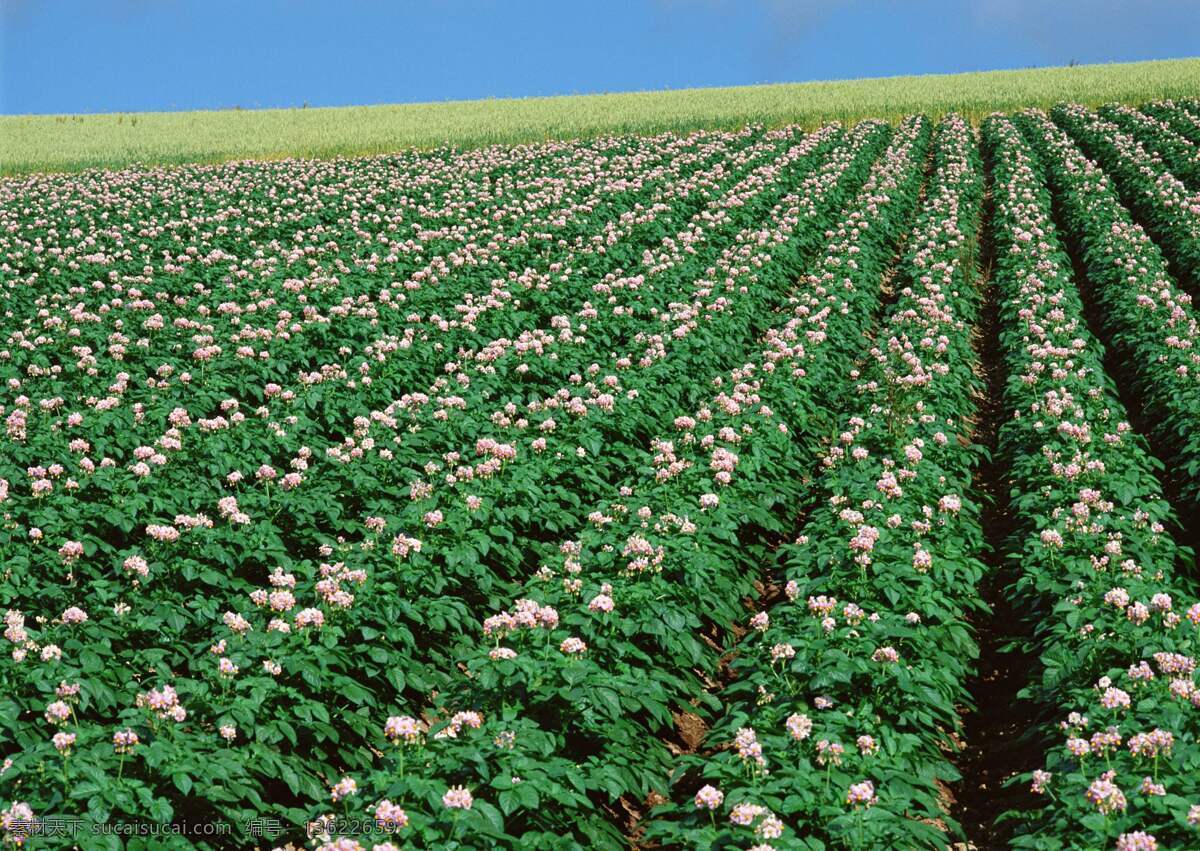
[{"x": 623, "y": 490}]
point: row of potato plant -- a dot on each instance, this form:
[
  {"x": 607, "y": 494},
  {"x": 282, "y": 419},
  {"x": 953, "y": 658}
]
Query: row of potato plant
[
  {"x": 839, "y": 719},
  {"x": 1178, "y": 153},
  {"x": 1143, "y": 312},
  {"x": 1109, "y": 616},
  {"x": 1177, "y": 117},
  {"x": 1162, "y": 202}
]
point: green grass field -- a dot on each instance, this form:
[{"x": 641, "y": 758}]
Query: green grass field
[{"x": 71, "y": 142}]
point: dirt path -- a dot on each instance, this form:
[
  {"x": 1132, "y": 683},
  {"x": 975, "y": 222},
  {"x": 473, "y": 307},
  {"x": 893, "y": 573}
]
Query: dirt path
[{"x": 993, "y": 731}]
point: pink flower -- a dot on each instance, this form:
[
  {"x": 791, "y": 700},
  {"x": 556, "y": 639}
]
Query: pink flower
[
  {"x": 74, "y": 616},
  {"x": 163, "y": 534},
  {"x": 770, "y": 827},
  {"x": 572, "y": 646},
  {"x": 137, "y": 565},
  {"x": 1138, "y": 612},
  {"x": 601, "y": 603},
  {"x": 1193, "y": 614},
  {"x": 310, "y": 617},
  {"x": 457, "y": 798},
  {"x": 402, "y": 728},
  {"x": 748, "y": 746},
  {"x": 390, "y": 816},
  {"x": 1051, "y": 538},
  {"x": 1114, "y": 698},
  {"x": 63, "y": 742},
  {"x": 1105, "y": 794},
  {"x": 744, "y": 814},
  {"x": 709, "y": 798},
  {"x": 236, "y": 622},
  {"x": 344, "y": 788},
  {"x": 1152, "y": 744},
  {"x": 829, "y": 752},
  {"x": 950, "y": 503},
  {"x": 124, "y": 741},
  {"x": 58, "y": 712},
  {"x": 402, "y": 545},
  {"x": 886, "y": 655},
  {"x": 1150, "y": 788},
  {"x": 71, "y": 551},
  {"x": 799, "y": 726},
  {"x": 1137, "y": 841},
  {"x": 165, "y": 704},
  {"x": 1117, "y": 597},
  {"x": 861, "y": 794},
  {"x": 782, "y": 651}
]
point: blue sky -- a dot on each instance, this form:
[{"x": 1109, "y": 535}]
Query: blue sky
[{"x": 127, "y": 55}]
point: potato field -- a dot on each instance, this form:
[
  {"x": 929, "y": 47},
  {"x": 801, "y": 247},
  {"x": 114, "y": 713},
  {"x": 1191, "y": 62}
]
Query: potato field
[{"x": 733, "y": 489}]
